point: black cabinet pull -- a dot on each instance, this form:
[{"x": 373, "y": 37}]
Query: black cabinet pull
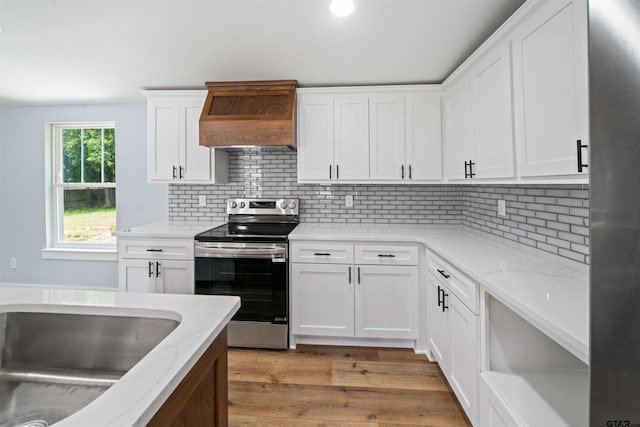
[
  {"x": 439, "y": 293},
  {"x": 466, "y": 174},
  {"x": 329, "y": 171},
  {"x": 445, "y": 275},
  {"x": 358, "y": 275},
  {"x": 386, "y": 256},
  {"x": 157, "y": 269},
  {"x": 580, "y": 146},
  {"x": 181, "y": 172},
  {"x": 175, "y": 171},
  {"x": 349, "y": 274},
  {"x": 402, "y": 171},
  {"x": 471, "y": 173},
  {"x": 150, "y": 269},
  {"x": 444, "y": 306},
  {"x": 154, "y": 250},
  {"x": 409, "y": 171},
  {"x": 322, "y": 254},
  {"x": 337, "y": 171}
]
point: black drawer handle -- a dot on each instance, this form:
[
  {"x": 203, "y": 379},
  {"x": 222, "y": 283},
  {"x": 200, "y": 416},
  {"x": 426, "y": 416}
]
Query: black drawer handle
[
  {"x": 150, "y": 269},
  {"x": 154, "y": 250},
  {"x": 444, "y": 306},
  {"x": 157, "y": 269},
  {"x": 440, "y": 292},
  {"x": 445, "y": 275},
  {"x": 322, "y": 254},
  {"x": 386, "y": 256}
]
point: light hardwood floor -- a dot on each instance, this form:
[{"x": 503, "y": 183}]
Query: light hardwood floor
[{"x": 338, "y": 386}]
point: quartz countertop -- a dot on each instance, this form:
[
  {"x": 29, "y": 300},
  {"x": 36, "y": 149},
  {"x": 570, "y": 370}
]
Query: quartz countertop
[
  {"x": 549, "y": 291},
  {"x": 136, "y": 397},
  {"x": 167, "y": 230}
]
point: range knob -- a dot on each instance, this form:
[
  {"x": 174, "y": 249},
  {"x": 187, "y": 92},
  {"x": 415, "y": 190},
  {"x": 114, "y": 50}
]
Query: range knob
[
  {"x": 283, "y": 205},
  {"x": 233, "y": 205},
  {"x": 242, "y": 205},
  {"x": 293, "y": 205}
]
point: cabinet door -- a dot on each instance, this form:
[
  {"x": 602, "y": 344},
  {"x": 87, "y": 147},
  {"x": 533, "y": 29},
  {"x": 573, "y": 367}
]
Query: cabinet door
[
  {"x": 163, "y": 138},
  {"x": 195, "y": 159},
  {"x": 386, "y": 301},
  {"x": 386, "y": 125},
  {"x": 550, "y": 88},
  {"x": 137, "y": 275},
  {"x": 351, "y": 138},
  {"x": 492, "y": 130},
  {"x": 322, "y": 299},
  {"x": 438, "y": 324},
  {"x": 315, "y": 137},
  {"x": 464, "y": 361},
  {"x": 175, "y": 277},
  {"x": 423, "y": 137},
  {"x": 458, "y": 119}
]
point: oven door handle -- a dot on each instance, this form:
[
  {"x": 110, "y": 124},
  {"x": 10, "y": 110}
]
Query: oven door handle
[{"x": 256, "y": 253}]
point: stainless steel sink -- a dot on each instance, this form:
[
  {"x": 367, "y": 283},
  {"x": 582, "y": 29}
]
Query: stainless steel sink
[{"x": 52, "y": 365}]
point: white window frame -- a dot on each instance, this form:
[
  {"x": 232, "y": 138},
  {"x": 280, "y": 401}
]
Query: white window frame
[{"x": 56, "y": 248}]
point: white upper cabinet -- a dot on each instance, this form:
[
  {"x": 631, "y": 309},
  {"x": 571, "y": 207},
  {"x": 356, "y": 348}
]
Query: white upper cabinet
[
  {"x": 173, "y": 151},
  {"x": 423, "y": 136},
  {"x": 492, "y": 114},
  {"x": 458, "y": 119},
  {"x": 315, "y": 141},
  {"x": 478, "y": 110},
  {"x": 387, "y": 137},
  {"x": 351, "y": 138},
  {"x": 333, "y": 142},
  {"x": 369, "y": 135},
  {"x": 550, "y": 89},
  {"x": 406, "y": 137}
]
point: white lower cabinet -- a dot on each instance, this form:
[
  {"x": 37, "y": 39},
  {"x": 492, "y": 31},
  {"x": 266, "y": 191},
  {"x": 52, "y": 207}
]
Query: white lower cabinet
[
  {"x": 322, "y": 299},
  {"x": 354, "y": 300},
  {"x": 157, "y": 276},
  {"x": 156, "y": 265},
  {"x": 453, "y": 337},
  {"x": 384, "y": 301}
]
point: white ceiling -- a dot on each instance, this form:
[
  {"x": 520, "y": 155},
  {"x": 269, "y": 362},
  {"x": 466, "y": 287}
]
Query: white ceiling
[{"x": 103, "y": 51}]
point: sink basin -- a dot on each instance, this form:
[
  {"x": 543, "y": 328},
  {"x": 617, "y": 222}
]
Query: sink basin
[{"x": 52, "y": 364}]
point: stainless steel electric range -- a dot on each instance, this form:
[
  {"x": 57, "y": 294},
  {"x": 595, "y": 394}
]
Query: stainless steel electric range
[{"x": 249, "y": 257}]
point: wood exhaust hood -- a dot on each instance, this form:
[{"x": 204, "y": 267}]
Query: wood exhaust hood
[{"x": 248, "y": 114}]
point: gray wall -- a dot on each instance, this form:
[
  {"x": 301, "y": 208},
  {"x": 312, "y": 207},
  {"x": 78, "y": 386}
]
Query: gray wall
[
  {"x": 552, "y": 218},
  {"x": 22, "y": 190}
]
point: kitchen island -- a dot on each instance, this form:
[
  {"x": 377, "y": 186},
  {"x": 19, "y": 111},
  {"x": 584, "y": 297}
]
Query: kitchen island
[{"x": 159, "y": 389}]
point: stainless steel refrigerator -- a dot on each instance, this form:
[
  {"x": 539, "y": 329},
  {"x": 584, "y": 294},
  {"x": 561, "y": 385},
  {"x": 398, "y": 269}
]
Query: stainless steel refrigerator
[{"x": 614, "y": 89}]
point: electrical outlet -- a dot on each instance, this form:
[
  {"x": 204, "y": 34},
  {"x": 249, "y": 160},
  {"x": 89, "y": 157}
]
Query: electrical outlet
[
  {"x": 202, "y": 200},
  {"x": 12, "y": 263},
  {"x": 348, "y": 200},
  {"x": 502, "y": 208}
]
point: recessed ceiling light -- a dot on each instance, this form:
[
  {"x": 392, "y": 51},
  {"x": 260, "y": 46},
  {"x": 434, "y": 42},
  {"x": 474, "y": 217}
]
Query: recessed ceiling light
[{"x": 341, "y": 7}]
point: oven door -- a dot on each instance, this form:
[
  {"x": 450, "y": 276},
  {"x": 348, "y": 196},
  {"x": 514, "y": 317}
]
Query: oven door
[{"x": 256, "y": 272}]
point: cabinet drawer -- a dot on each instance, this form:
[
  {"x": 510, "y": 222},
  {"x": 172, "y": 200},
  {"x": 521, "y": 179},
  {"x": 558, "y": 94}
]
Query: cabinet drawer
[
  {"x": 322, "y": 253},
  {"x": 386, "y": 255},
  {"x": 156, "y": 249},
  {"x": 459, "y": 283}
]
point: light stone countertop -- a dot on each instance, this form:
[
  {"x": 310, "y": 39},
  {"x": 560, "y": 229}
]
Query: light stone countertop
[
  {"x": 136, "y": 397},
  {"x": 168, "y": 230},
  {"x": 550, "y": 292}
]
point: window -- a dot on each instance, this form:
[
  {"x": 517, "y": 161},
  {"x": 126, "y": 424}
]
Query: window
[{"x": 82, "y": 197}]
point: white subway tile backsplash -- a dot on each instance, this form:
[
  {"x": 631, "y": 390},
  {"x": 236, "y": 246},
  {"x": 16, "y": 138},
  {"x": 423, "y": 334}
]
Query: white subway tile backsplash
[{"x": 552, "y": 218}]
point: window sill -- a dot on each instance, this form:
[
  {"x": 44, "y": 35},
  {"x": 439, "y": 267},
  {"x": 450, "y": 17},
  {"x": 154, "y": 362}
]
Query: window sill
[{"x": 81, "y": 254}]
